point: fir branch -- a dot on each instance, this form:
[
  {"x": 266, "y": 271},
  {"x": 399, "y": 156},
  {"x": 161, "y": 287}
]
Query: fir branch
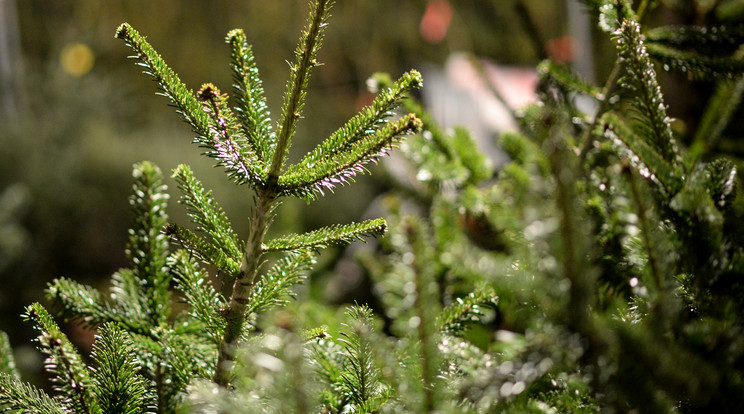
[
  {"x": 276, "y": 284},
  {"x": 307, "y": 181},
  {"x": 252, "y": 108},
  {"x": 86, "y": 304},
  {"x": 718, "y": 112},
  {"x": 722, "y": 182},
  {"x": 453, "y": 319},
  {"x": 568, "y": 78},
  {"x": 119, "y": 387},
  {"x": 328, "y": 236},
  {"x": 7, "y": 361},
  {"x": 696, "y": 197},
  {"x": 126, "y": 292},
  {"x": 213, "y": 134},
  {"x": 20, "y": 397},
  {"x": 171, "y": 86},
  {"x": 294, "y": 97},
  {"x": 699, "y": 65},
  {"x": 207, "y": 214},
  {"x": 182, "y": 360},
  {"x": 148, "y": 247},
  {"x": 412, "y": 299},
  {"x": 433, "y": 131},
  {"x": 327, "y": 357},
  {"x": 641, "y": 84},
  {"x": 203, "y": 299},
  {"x": 612, "y": 13},
  {"x": 226, "y": 141},
  {"x": 574, "y": 245},
  {"x": 660, "y": 263},
  {"x": 644, "y": 158},
  {"x": 69, "y": 374},
  {"x": 713, "y": 40},
  {"x": 367, "y": 121},
  {"x": 455, "y": 158},
  {"x": 205, "y": 251},
  {"x": 470, "y": 157},
  {"x": 360, "y": 374}
]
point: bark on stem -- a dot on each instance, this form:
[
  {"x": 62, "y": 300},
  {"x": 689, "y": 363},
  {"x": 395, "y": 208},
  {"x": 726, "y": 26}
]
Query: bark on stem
[{"x": 242, "y": 288}]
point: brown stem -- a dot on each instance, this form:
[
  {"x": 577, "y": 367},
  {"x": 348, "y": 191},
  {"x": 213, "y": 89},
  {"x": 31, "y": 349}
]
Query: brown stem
[{"x": 243, "y": 287}]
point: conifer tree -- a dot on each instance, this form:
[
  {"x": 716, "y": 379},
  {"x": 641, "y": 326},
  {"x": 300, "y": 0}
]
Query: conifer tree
[
  {"x": 599, "y": 270},
  {"x": 611, "y": 250},
  {"x": 144, "y": 358}
]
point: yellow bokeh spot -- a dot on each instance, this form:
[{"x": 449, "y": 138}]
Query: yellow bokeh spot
[{"x": 76, "y": 59}]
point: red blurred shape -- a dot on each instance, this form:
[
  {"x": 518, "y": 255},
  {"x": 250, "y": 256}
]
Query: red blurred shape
[
  {"x": 561, "y": 49},
  {"x": 436, "y": 21}
]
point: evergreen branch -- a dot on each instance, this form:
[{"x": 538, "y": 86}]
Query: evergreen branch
[
  {"x": 126, "y": 292},
  {"x": 252, "y": 108},
  {"x": 722, "y": 182},
  {"x": 367, "y": 121},
  {"x": 294, "y": 97},
  {"x": 307, "y": 181},
  {"x": 573, "y": 245},
  {"x": 206, "y": 213},
  {"x": 86, "y": 304},
  {"x": 203, "y": 250},
  {"x": 611, "y": 13},
  {"x": 721, "y": 106},
  {"x": 275, "y": 285},
  {"x": 327, "y": 357},
  {"x": 568, "y": 78},
  {"x": 20, "y": 397},
  {"x": 713, "y": 40},
  {"x": 203, "y": 299},
  {"x": 641, "y": 84},
  {"x": 643, "y": 156},
  {"x": 360, "y": 374},
  {"x": 657, "y": 260},
  {"x": 147, "y": 249},
  {"x": 215, "y": 129},
  {"x": 7, "y": 361},
  {"x": 328, "y": 236},
  {"x": 226, "y": 141},
  {"x": 119, "y": 387},
  {"x": 69, "y": 374},
  {"x": 457, "y": 157},
  {"x": 181, "y": 359},
  {"x": 453, "y": 319},
  {"x": 171, "y": 86},
  {"x": 696, "y": 64},
  {"x": 425, "y": 306},
  {"x": 435, "y": 133},
  {"x": 172, "y": 360}
]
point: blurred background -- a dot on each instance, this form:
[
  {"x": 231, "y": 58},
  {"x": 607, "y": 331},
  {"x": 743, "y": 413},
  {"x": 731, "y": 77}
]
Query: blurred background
[{"x": 75, "y": 113}]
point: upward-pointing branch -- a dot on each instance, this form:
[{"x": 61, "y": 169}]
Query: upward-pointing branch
[{"x": 294, "y": 98}]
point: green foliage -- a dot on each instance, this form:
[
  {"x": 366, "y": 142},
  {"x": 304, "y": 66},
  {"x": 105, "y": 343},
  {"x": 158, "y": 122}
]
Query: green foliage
[
  {"x": 598, "y": 270},
  {"x": 359, "y": 373},
  {"x": 328, "y": 235},
  {"x": 702, "y": 52},
  {"x": 70, "y": 375},
  {"x": 119, "y": 387},
  {"x": 17, "y": 396},
  {"x": 7, "y": 361},
  {"x": 145, "y": 358},
  {"x": 252, "y": 108}
]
